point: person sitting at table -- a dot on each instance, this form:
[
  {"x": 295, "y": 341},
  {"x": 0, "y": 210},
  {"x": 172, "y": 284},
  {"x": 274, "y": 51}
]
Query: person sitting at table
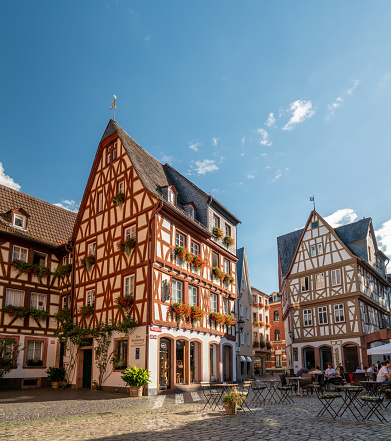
[
  {"x": 301, "y": 371},
  {"x": 316, "y": 371},
  {"x": 330, "y": 375},
  {"x": 340, "y": 373},
  {"x": 359, "y": 370},
  {"x": 384, "y": 375},
  {"x": 373, "y": 368}
]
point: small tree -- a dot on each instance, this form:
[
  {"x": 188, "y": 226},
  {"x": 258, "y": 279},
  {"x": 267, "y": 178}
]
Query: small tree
[{"x": 9, "y": 350}]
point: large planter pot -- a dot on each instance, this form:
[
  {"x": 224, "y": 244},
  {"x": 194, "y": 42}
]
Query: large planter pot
[
  {"x": 55, "y": 384},
  {"x": 136, "y": 391},
  {"x": 230, "y": 409}
]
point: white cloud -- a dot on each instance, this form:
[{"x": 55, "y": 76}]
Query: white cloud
[
  {"x": 7, "y": 180},
  {"x": 263, "y": 155},
  {"x": 208, "y": 165},
  {"x": 166, "y": 158},
  {"x": 69, "y": 205},
  {"x": 355, "y": 84},
  {"x": 250, "y": 176},
  {"x": 264, "y": 137},
  {"x": 340, "y": 99},
  {"x": 242, "y": 154},
  {"x": 267, "y": 167},
  {"x": 341, "y": 217},
  {"x": 243, "y": 140},
  {"x": 300, "y": 110},
  {"x": 384, "y": 237},
  {"x": 215, "y": 141},
  {"x": 194, "y": 146},
  {"x": 277, "y": 175},
  {"x": 271, "y": 120}
]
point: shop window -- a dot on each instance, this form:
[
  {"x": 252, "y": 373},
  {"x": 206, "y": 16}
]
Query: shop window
[
  {"x": 180, "y": 374},
  {"x": 121, "y": 354},
  {"x": 165, "y": 364},
  {"x": 194, "y": 362}
]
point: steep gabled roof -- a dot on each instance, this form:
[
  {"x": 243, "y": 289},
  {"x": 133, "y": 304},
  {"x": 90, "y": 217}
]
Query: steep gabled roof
[
  {"x": 239, "y": 267},
  {"x": 47, "y": 223},
  {"x": 354, "y": 232},
  {"x": 287, "y": 245}
]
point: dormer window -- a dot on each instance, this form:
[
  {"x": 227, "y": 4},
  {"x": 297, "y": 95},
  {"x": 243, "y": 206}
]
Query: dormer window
[
  {"x": 171, "y": 196},
  {"x": 191, "y": 211},
  {"x": 19, "y": 221}
]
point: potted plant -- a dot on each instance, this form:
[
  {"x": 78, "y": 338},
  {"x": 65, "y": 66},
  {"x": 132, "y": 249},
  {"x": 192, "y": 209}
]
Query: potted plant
[
  {"x": 86, "y": 311},
  {"x": 197, "y": 314},
  {"x": 16, "y": 311},
  {"x": 118, "y": 199},
  {"x": 198, "y": 263},
  {"x": 268, "y": 345},
  {"x": 56, "y": 375},
  {"x": 229, "y": 320},
  {"x": 261, "y": 344},
  {"x": 228, "y": 279},
  {"x": 38, "y": 314},
  {"x": 218, "y": 317},
  {"x": 256, "y": 344},
  {"x": 127, "y": 245},
  {"x": 181, "y": 310},
  {"x": 231, "y": 401},
  {"x": 218, "y": 274},
  {"x": 217, "y": 233},
  {"x": 125, "y": 302},
  {"x": 88, "y": 261},
  {"x": 34, "y": 362},
  {"x": 136, "y": 378},
  {"x": 229, "y": 240},
  {"x": 63, "y": 270}
]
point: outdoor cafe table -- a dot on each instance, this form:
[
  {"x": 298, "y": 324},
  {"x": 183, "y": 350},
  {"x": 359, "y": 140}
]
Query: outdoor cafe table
[
  {"x": 224, "y": 388},
  {"x": 350, "y": 400},
  {"x": 298, "y": 383},
  {"x": 272, "y": 391},
  {"x": 372, "y": 387}
]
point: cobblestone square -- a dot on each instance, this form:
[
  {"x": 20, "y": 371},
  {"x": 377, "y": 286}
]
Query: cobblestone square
[{"x": 48, "y": 415}]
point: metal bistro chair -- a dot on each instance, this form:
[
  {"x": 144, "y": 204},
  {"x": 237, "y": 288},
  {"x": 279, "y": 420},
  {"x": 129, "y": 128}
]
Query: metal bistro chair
[
  {"x": 326, "y": 400},
  {"x": 358, "y": 377},
  {"x": 306, "y": 383},
  {"x": 285, "y": 389},
  {"x": 258, "y": 389},
  {"x": 373, "y": 403},
  {"x": 245, "y": 391},
  {"x": 212, "y": 396}
]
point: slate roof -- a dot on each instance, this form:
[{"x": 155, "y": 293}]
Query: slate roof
[
  {"x": 47, "y": 223},
  {"x": 288, "y": 243},
  {"x": 239, "y": 267}
]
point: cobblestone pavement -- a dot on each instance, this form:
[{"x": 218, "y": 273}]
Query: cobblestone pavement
[{"x": 48, "y": 415}]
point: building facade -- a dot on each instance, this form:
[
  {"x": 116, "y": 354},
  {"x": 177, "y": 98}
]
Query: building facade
[
  {"x": 261, "y": 330},
  {"x": 335, "y": 293},
  {"x": 171, "y": 222},
  {"x": 34, "y": 244}
]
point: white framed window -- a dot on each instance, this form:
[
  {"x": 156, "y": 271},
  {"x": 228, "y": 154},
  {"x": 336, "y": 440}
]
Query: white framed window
[
  {"x": 322, "y": 315},
  {"x": 335, "y": 277},
  {"x": 130, "y": 232},
  {"x": 121, "y": 187},
  {"x": 319, "y": 281},
  {"x": 128, "y": 286},
  {"x": 180, "y": 239},
  {"x": 19, "y": 221},
  {"x": 92, "y": 248},
  {"x": 339, "y": 313},
  {"x": 100, "y": 202},
  {"x": 215, "y": 259},
  {"x": 191, "y": 211},
  {"x": 38, "y": 301},
  {"x": 307, "y": 317},
  {"x": 247, "y": 314},
  {"x": 216, "y": 221},
  {"x": 91, "y": 297},
  {"x": 14, "y": 297},
  {"x": 115, "y": 153},
  {"x": 320, "y": 248},
  {"x": 34, "y": 350},
  {"x": 194, "y": 248},
  {"x": 192, "y": 293},
  {"x": 305, "y": 284},
  {"x": 313, "y": 250},
  {"x": 241, "y": 310},
  {"x": 227, "y": 230},
  {"x": 248, "y": 339},
  {"x": 225, "y": 306},
  {"x": 314, "y": 225},
  {"x": 226, "y": 266},
  {"x": 20, "y": 253},
  {"x": 177, "y": 291},
  {"x": 171, "y": 196},
  {"x": 213, "y": 302}
]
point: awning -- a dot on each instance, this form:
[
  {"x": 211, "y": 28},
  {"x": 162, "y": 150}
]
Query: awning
[
  {"x": 380, "y": 350},
  {"x": 242, "y": 358},
  {"x": 249, "y": 360}
]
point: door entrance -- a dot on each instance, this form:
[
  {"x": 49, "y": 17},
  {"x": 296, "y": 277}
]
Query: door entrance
[
  {"x": 227, "y": 357},
  {"x": 309, "y": 358},
  {"x": 165, "y": 364},
  {"x": 326, "y": 357},
  {"x": 350, "y": 356},
  {"x": 87, "y": 368}
]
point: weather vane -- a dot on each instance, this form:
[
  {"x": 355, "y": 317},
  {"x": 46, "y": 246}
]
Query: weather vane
[
  {"x": 312, "y": 199},
  {"x": 113, "y": 105}
]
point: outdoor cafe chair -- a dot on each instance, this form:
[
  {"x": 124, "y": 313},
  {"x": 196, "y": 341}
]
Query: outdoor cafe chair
[
  {"x": 245, "y": 392},
  {"x": 306, "y": 383},
  {"x": 258, "y": 389},
  {"x": 285, "y": 389},
  {"x": 212, "y": 396},
  {"x": 326, "y": 400},
  {"x": 358, "y": 377},
  {"x": 373, "y": 403}
]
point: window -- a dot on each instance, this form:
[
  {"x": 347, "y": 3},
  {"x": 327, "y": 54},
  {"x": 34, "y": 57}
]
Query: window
[
  {"x": 19, "y": 221},
  {"x": 19, "y": 253},
  {"x": 213, "y": 302},
  {"x": 115, "y": 151},
  {"x": 277, "y": 336},
  {"x": 130, "y": 232},
  {"x": 307, "y": 317},
  {"x": 320, "y": 248},
  {"x": 108, "y": 157},
  {"x": 278, "y": 361},
  {"x": 177, "y": 291},
  {"x": 242, "y": 338},
  {"x": 128, "y": 285},
  {"x": 255, "y": 336},
  {"x": 100, "y": 202},
  {"x": 313, "y": 250},
  {"x": 14, "y": 297},
  {"x": 92, "y": 248},
  {"x": 247, "y": 314},
  {"x": 191, "y": 211},
  {"x": 241, "y": 310},
  {"x": 305, "y": 285},
  {"x": 335, "y": 277},
  {"x": 91, "y": 297},
  {"x": 226, "y": 266},
  {"x": 192, "y": 293},
  {"x": 268, "y": 356},
  {"x": 322, "y": 313},
  {"x": 276, "y": 316},
  {"x": 216, "y": 221},
  {"x": 194, "y": 248},
  {"x": 64, "y": 302},
  {"x": 254, "y": 316},
  {"x": 260, "y": 317},
  {"x": 171, "y": 196},
  {"x": 121, "y": 354},
  {"x": 254, "y": 298},
  {"x": 34, "y": 350},
  {"x": 65, "y": 260},
  {"x": 369, "y": 253},
  {"x": 121, "y": 187},
  {"x": 227, "y": 230},
  {"x": 215, "y": 259},
  {"x": 339, "y": 313},
  {"x": 225, "y": 306},
  {"x": 38, "y": 301},
  {"x": 180, "y": 240},
  {"x": 39, "y": 258},
  {"x": 266, "y": 319},
  {"x": 314, "y": 224},
  {"x": 248, "y": 339},
  {"x": 319, "y": 281}
]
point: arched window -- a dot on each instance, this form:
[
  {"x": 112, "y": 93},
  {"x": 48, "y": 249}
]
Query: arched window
[
  {"x": 277, "y": 335},
  {"x": 276, "y": 316}
]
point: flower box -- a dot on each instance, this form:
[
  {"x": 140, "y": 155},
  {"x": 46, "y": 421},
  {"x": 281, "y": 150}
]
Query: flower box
[
  {"x": 229, "y": 240},
  {"x": 197, "y": 314},
  {"x": 198, "y": 262},
  {"x": 88, "y": 261},
  {"x": 63, "y": 270},
  {"x": 181, "y": 310},
  {"x": 34, "y": 362},
  {"x": 267, "y": 325},
  {"x": 228, "y": 279},
  {"x": 127, "y": 245},
  {"x": 261, "y": 305},
  {"x": 218, "y": 318},
  {"x": 86, "y": 311},
  {"x": 125, "y": 302},
  {"x": 217, "y": 273},
  {"x": 267, "y": 307},
  {"x": 261, "y": 324},
  {"x": 229, "y": 320},
  {"x": 16, "y": 311},
  {"x": 38, "y": 315},
  {"x": 255, "y": 324},
  {"x": 217, "y": 233},
  {"x": 261, "y": 344},
  {"x": 256, "y": 344},
  {"x": 119, "y": 199},
  {"x": 28, "y": 268}
]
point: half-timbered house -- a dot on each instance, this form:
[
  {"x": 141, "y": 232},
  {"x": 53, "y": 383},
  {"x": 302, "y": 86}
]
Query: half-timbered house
[
  {"x": 335, "y": 293},
  {"x": 183, "y": 252},
  {"x": 261, "y": 329},
  {"x": 34, "y": 239}
]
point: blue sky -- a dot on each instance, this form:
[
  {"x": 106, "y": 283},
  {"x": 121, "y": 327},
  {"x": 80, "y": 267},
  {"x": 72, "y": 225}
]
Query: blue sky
[{"x": 261, "y": 103}]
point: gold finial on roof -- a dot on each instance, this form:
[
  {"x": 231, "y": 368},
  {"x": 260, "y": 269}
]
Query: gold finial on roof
[{"x": 113, "y": 105}]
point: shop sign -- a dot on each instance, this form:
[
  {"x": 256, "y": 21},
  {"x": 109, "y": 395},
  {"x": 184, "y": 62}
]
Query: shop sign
[{"x": 155, "y": 329}]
